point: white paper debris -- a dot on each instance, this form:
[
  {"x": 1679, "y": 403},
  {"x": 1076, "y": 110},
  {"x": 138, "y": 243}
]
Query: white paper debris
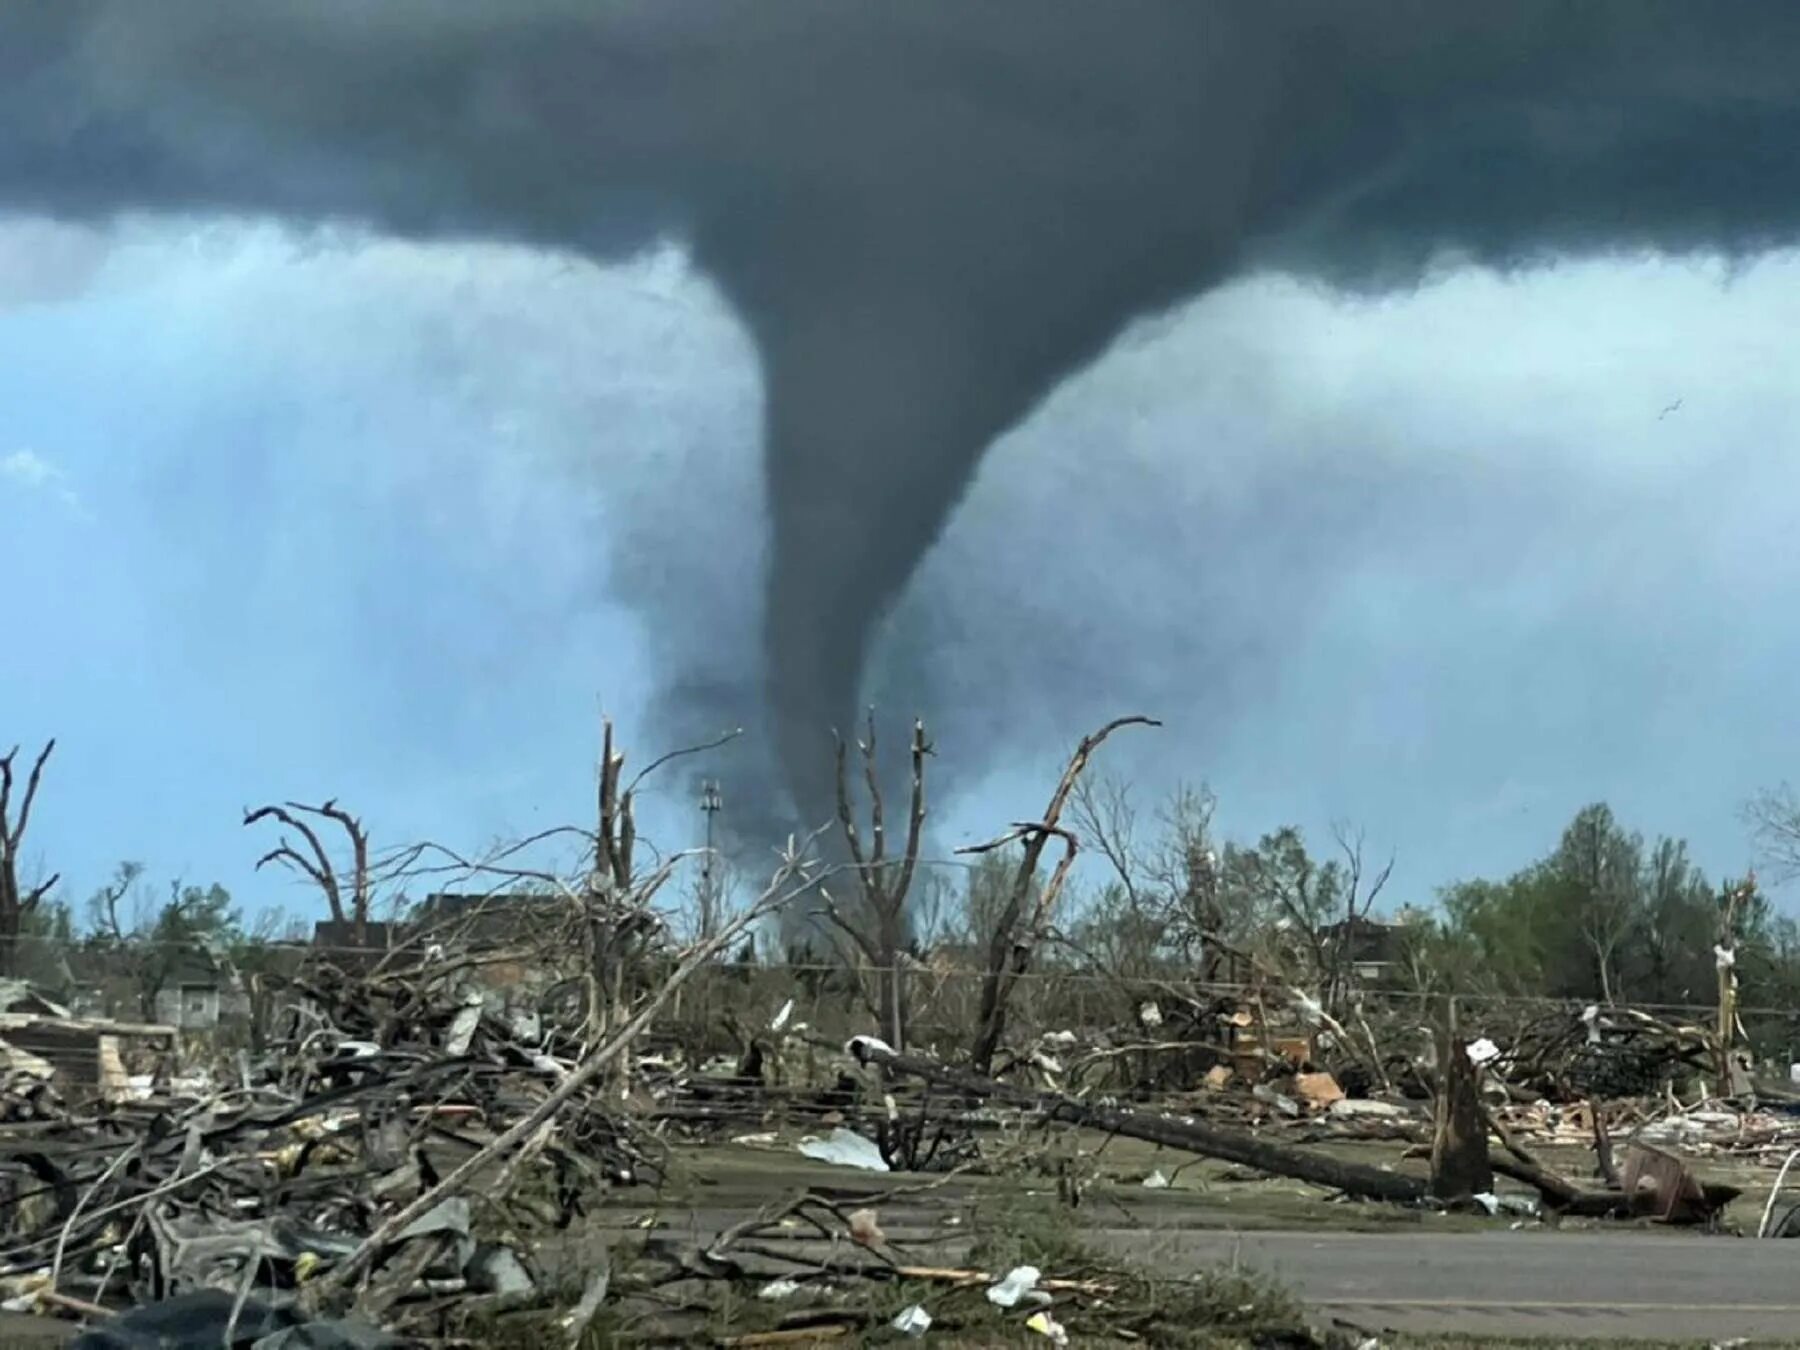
[
  {"x": 1019, "y": 1281},
  {"x": 1062, "y": 1038},
  {"x": 1483, "y": 1051},
  {"x": 1156, "y": 1181},
  {"x": 781, "y": 1018},
  {"x": 845, "y": 1148},
  {"x": 913, "y": 1321},
  {"x": 1149, "y": 1014},
  {"x": 1591, "y": 1015},
  {"x": 776, "y": 1290}
]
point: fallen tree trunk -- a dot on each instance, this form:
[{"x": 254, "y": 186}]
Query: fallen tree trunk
[{"x": 1210, "y": 1141}]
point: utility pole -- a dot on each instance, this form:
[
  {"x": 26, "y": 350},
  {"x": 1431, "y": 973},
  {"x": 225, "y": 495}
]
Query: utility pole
[{"x": 711, "y": 802}]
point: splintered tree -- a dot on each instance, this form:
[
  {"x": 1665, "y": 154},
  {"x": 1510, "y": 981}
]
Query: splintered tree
[
  {"x": 347, "y": 903},
  {"x": 17, "y": 902},
  {"x": 1024, "y": 919},
  {"x": 878, "y": 927},
  {"x": 617, "y": 922}
]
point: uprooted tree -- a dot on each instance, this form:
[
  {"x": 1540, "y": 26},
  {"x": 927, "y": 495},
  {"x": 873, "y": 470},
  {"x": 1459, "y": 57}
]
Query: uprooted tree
[
  {"x": 877, "y": 923},
  {"x": 1024, "y": 919},
  {"x": 18, "y": 901},
  {"x": 348, "y": 898}
]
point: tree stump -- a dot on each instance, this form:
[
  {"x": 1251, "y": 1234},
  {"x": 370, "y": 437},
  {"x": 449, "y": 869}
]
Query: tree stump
[{"x": 1459, "y": 1141}]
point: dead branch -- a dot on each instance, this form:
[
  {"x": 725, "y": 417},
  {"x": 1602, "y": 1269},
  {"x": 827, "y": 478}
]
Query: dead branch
[
  {"x": 879, "y": 931},
  {"x": 779, "y": 892},
  {"x": 1014, "y": 940},
  {"x": 16, "y": 903},
  {"x": 319, "y": 868}
]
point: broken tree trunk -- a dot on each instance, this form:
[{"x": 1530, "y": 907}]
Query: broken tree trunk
[
  {"x": 1459, "y": 1140},
  {"x": 1209, "y": 1141}
]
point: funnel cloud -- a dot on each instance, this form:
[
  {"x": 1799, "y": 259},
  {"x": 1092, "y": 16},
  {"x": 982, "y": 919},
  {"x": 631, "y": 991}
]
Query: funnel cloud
[{"x": 926, "y": 214}]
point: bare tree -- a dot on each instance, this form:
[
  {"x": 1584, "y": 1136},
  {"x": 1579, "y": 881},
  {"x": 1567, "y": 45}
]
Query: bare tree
[
  {"x": 1360, "y": 891},
  {"x": 347, "y": 903},
  {"x": 1773, "y": 816},
  {"x": 1018, "y": 933},
  {"x": 878, "y": 927},
  {"x": 1164, "y": 898},
  {"x": 617, "y": 923},
  {"x": 17, "y": 902}
]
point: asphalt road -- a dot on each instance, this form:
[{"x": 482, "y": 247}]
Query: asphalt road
[{"x": 1642, "y": 1285}]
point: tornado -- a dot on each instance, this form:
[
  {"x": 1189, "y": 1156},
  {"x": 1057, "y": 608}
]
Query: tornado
[{"x": 927, "y": 214}]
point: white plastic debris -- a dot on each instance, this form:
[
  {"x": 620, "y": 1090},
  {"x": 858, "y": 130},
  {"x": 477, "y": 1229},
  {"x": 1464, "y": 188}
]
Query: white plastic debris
[
  {"x": 498, "y": 1270},
  {"x": 1311, "y": 1011},
  {"x": 845, "y": 1148},
  {"x": 1019, "y": 1281},
  {"x": 1794, "y": 1073},
  {"x": 1059, "y": 1038},
  {"x": 1149, "y": 1014},
  {"x": 1724, "y": 958},
  {"x": 1156, "y": 1181},
  {"x": 781, "y": 1018},
  {"x": 1487, "y": 1200},
  {"x": 1048, "y": 1063},
  {"x": 1282, "y": 1103},
  {"x": 462, "y": 1028},
  {"x": 1483, "y": 1051},
  {"x": 1366, "y": 1106},
  {"x": 913, "y": 1321},
  {"x": 776, "y": 1290},
  {"x": 860, "y": 1048},
  {"x": 1046, "y": 1325}
]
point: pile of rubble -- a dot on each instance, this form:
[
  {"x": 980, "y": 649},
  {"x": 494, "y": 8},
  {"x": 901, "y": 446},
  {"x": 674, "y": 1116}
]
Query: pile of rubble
[{"x": 313, "y": 1180}]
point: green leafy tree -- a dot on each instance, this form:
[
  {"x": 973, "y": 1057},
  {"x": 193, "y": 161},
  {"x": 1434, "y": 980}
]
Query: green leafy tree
[
  {"x": 148, "y": 943},
  {"x": 1599, "y": 869}
]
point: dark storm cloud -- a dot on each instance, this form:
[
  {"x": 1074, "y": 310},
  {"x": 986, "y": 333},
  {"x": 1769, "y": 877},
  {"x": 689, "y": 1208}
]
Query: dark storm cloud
[{"x": 926, "y": 213}]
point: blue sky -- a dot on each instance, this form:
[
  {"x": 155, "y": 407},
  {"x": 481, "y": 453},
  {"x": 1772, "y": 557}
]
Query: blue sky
[{"x": 295, "y": 516}]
